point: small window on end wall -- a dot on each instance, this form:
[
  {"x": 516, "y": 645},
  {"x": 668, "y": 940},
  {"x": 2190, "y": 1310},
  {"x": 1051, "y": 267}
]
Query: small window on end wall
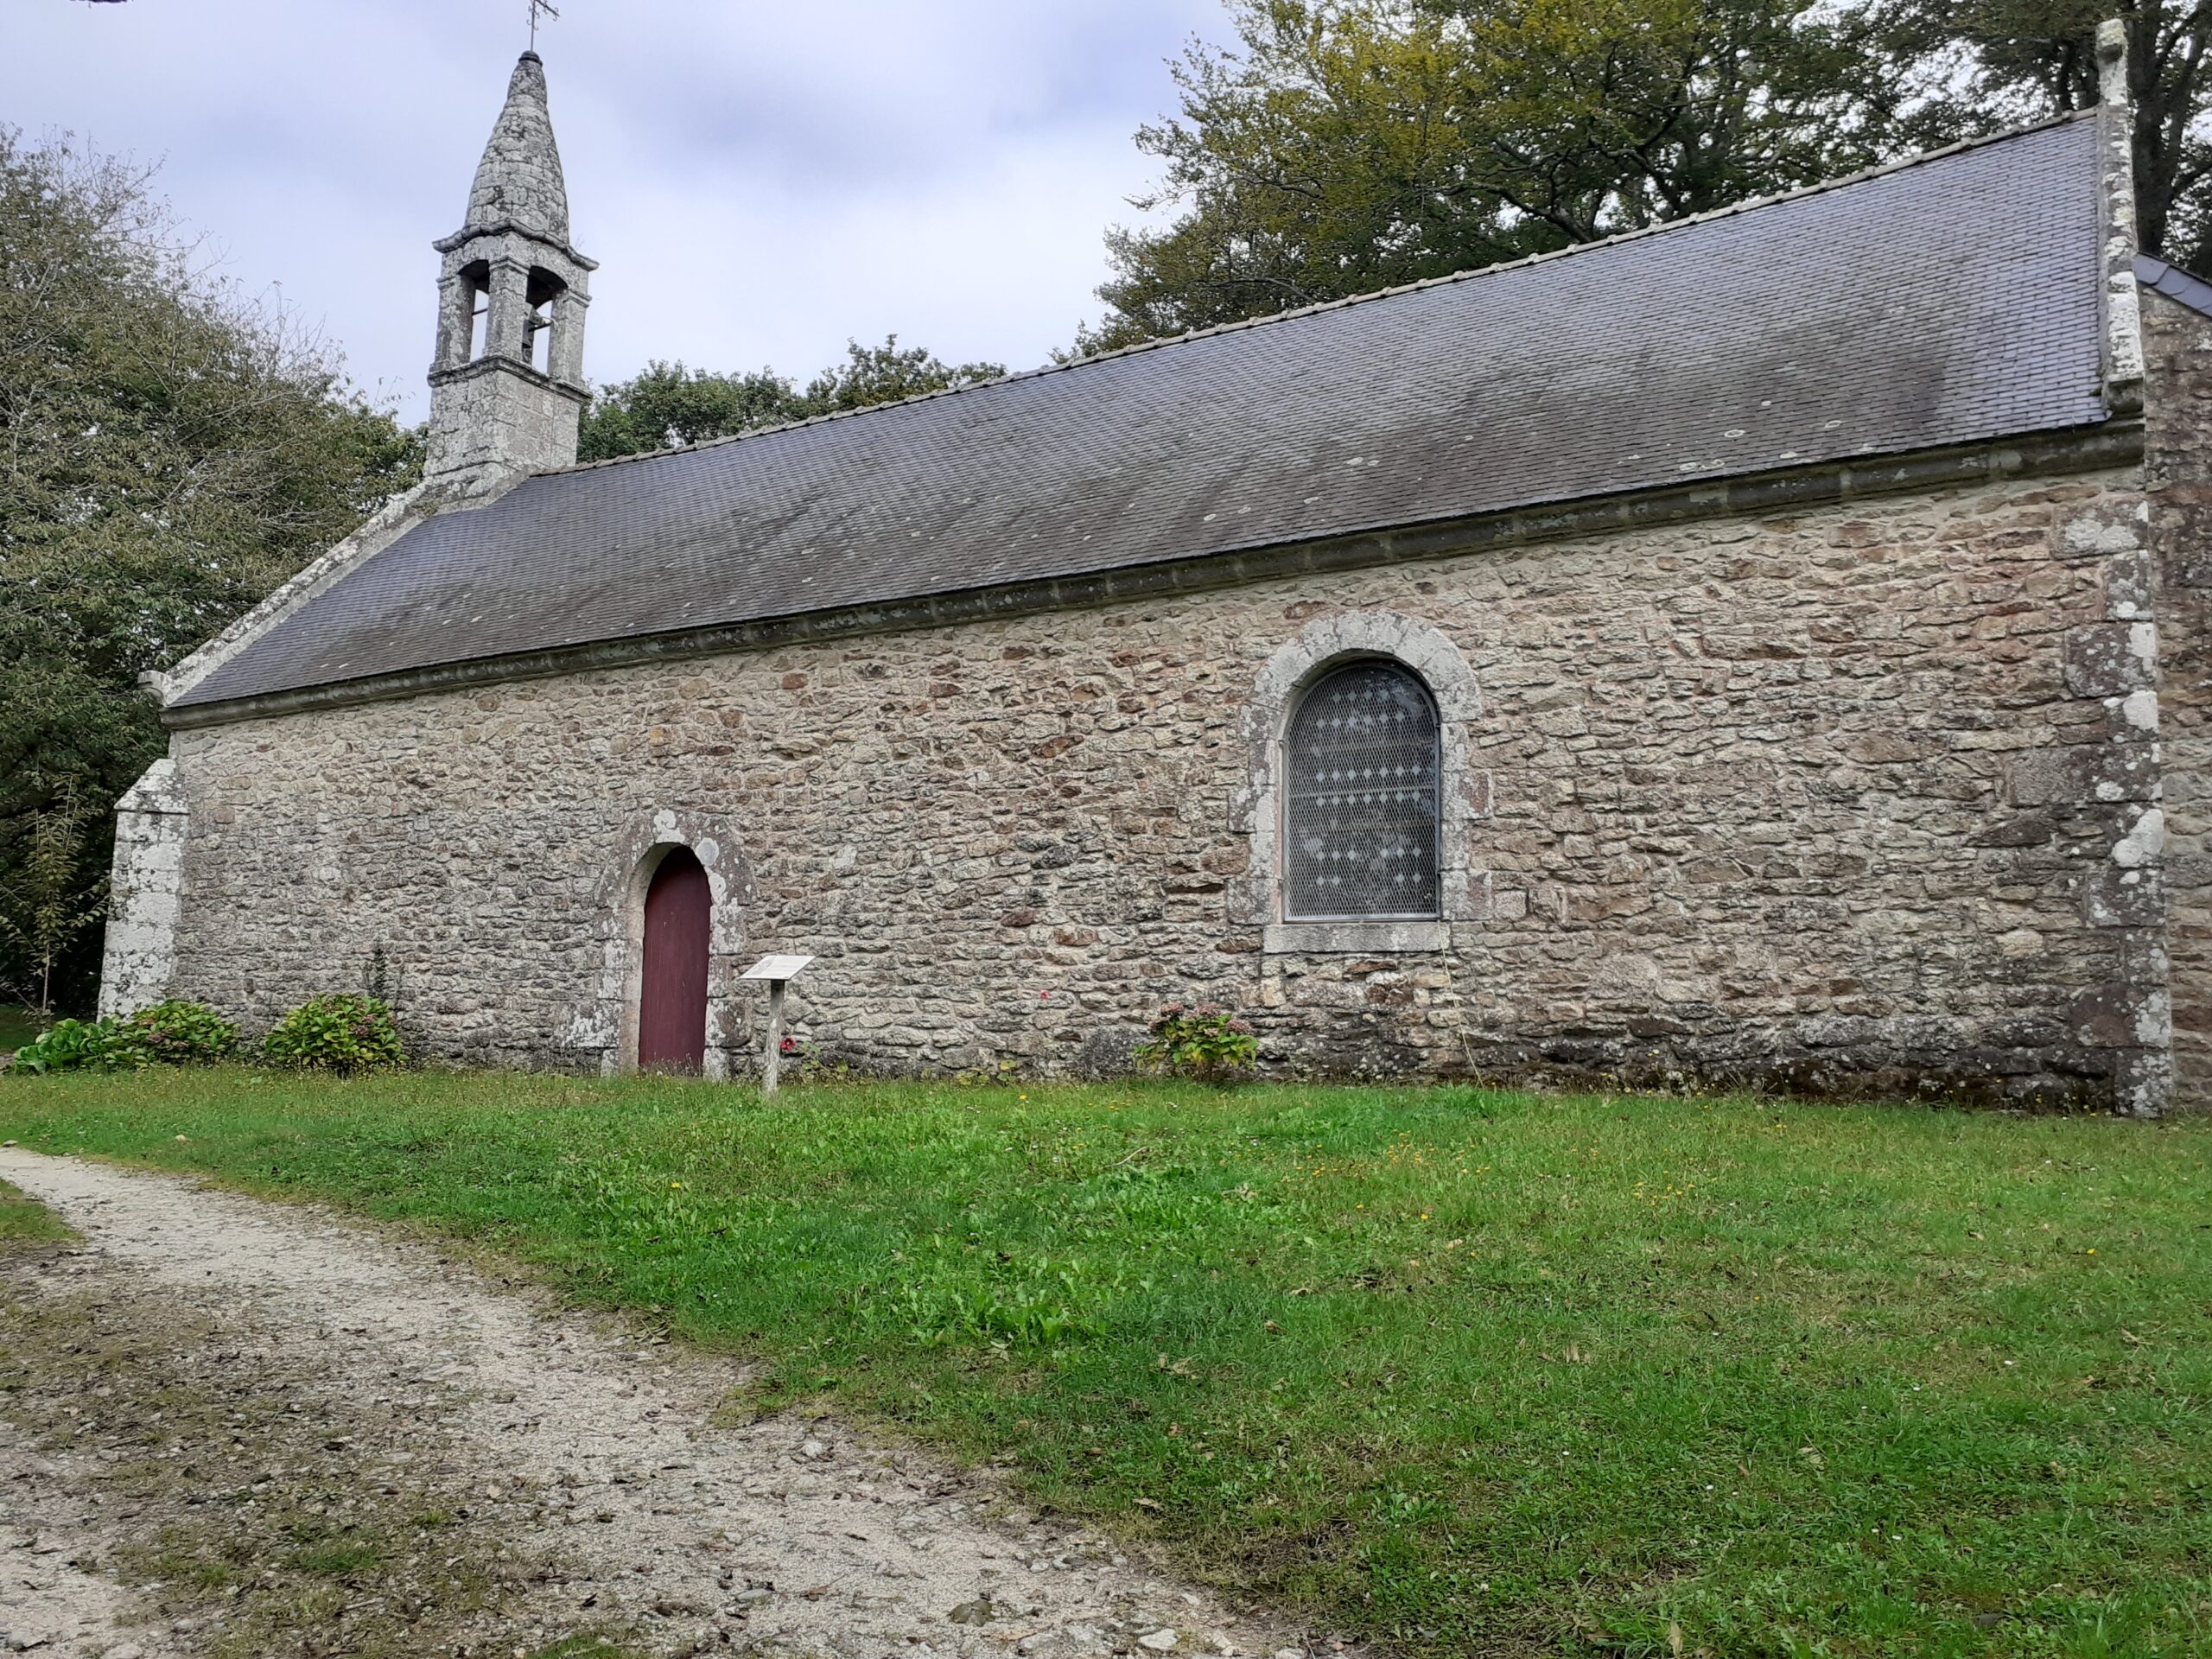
[{"x": 1361, "y": 806}]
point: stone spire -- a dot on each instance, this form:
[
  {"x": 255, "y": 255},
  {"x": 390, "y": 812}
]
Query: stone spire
[
  {"x": 507, "y": 384},
  {"x": 518, "y": 181}
]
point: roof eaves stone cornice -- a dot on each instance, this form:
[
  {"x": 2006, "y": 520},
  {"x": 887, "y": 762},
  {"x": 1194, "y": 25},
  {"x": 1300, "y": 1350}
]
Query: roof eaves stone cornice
[{"x": 2106, "y": 443}]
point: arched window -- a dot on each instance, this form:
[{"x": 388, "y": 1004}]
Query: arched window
[{"x": 1361, "y": 810}]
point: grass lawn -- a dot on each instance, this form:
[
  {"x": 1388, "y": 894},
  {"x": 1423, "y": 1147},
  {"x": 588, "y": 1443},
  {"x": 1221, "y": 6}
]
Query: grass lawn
[
  {"x": 18, "y": 1026},
  {"x": 25, "y": 1222},
  {"x": 1473, "y": 1372}
]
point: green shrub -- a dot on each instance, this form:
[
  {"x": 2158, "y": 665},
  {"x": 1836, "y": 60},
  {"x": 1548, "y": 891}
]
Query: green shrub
[
  {"x": 1202, "y": 1042},
  {"x": 68, "y": 1046},
  {"x": 172, "y": 1034},
  {"x": 336, "y": 1034}
]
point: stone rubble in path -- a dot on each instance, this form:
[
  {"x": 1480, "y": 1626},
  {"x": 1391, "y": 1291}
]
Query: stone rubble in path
[
  {"x": 783, "y": 1535},
  {"x": 50, "y": 1604}
]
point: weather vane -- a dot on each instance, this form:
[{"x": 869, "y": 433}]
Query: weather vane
[{"x": 537, "y": 8}]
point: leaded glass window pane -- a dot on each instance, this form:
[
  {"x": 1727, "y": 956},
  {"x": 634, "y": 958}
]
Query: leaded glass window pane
[{"x": 1360, "y": 830}]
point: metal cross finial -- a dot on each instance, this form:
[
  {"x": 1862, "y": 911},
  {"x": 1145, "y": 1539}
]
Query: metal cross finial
[{"x": 538, "y": 8}]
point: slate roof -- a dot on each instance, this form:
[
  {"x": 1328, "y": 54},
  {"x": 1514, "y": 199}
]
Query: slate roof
[
  {"x": 1945, "y": 300},
  {"x": 2174, "y": 282}
]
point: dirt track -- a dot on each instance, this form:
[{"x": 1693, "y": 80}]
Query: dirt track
[{"x": 228, "y": 1427}]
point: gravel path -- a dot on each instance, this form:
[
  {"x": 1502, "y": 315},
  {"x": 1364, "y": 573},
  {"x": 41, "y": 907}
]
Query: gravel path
[{"x": 230, "y": 1360}]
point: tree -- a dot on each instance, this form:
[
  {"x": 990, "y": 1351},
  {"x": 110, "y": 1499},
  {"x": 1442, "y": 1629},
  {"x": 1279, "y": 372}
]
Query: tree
[
  {"x": 1348, "y": 145},
  {"x": 884, "y": 374},
  {"x": 669, "y": 406},
  {"x": 169, "y": 452},
  {"x": 2012, "y": 61},
  {"x": 46, "y": 906}
]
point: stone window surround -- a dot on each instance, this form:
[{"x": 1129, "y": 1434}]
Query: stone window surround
[
  {"x": 1328, "y": 643},
  {"x": 729, "y": 882}
]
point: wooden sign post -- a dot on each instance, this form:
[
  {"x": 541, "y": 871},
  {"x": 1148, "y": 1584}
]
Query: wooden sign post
[{"x": 779, "y": 971}]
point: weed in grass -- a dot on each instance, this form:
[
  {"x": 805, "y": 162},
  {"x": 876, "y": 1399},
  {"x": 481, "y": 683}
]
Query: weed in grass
[
  {"x": 1465, "y": 1370},
  {"x": 585, "y": 1647},
  {"x": 338, "y": 1560}
]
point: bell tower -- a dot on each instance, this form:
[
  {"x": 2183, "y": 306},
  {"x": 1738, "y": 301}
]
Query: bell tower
[{"x": 508, "y": 385}]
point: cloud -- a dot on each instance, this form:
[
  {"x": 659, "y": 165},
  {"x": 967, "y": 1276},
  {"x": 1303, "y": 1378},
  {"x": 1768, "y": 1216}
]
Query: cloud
[{"x": 758, "y": 181}]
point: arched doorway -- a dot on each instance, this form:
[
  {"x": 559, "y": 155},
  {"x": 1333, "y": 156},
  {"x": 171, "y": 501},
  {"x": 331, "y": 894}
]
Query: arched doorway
[{"x": 673, "y": 996}]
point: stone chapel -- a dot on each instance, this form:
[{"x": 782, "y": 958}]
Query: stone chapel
[{"x": 1770, "y": 649}]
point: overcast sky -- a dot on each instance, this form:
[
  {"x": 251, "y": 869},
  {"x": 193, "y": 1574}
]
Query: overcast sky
[{"x": 758, "y": 179}]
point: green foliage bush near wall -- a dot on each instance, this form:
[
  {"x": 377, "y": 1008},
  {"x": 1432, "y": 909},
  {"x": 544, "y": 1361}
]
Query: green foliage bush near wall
[
  {"x": 172, "y": 1034},
  {"x": 169, "y": 1033},
  {"x": 344, "y": 1033},
  {"x": 66, "y": 1046},
  {"x": 1203, "y": 1043},
  {"x": 341, "y": 1033}
]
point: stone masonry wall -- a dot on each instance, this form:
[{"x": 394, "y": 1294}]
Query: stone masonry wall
[
  {"x": 1855, "y": 799},
  {"x": 2178, "y": 473},
  {"x": 494, "y": 416}
]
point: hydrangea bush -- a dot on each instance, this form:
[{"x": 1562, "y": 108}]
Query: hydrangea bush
[
  {"x": 342, "y": 1033},
  {"x": 171, "y": 1033}
]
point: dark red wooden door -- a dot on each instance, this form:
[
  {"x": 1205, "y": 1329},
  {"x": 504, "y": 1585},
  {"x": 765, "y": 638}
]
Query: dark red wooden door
[{"x": 672, "y": 1007}]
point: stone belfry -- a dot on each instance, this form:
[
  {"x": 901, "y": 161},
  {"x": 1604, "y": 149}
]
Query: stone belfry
[{"x": 508, "y": 385}]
